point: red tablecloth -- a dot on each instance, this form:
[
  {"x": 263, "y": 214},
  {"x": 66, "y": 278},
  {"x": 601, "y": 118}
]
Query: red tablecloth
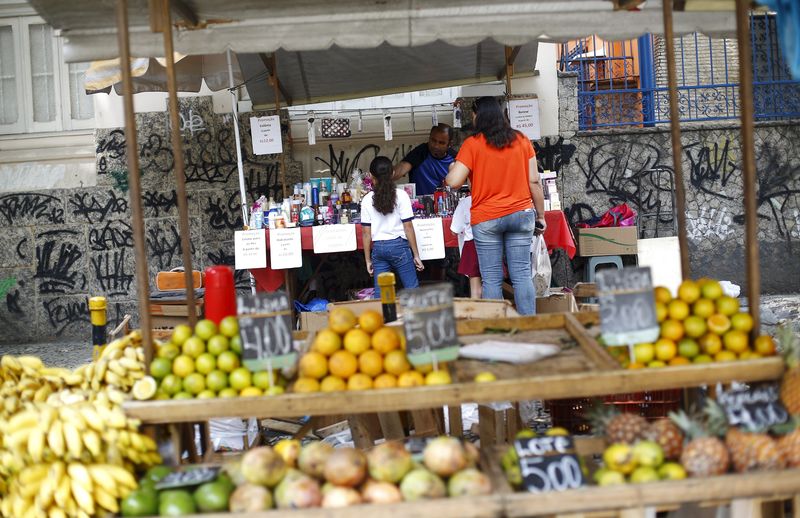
[{"x": 556, "y": 235}]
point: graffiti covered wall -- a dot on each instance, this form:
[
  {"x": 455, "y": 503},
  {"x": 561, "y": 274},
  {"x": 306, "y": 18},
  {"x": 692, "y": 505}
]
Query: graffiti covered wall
[{"x": 60, "y": 246}]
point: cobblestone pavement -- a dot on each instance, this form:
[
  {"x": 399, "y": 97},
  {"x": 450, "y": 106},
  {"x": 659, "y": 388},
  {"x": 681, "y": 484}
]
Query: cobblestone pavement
[{"x": 775, "y": 309}]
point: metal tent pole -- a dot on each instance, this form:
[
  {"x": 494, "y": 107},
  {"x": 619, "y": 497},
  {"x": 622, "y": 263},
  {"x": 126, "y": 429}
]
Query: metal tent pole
[
  {"x": 748, "y": 163},
  {"x": 177, "y": 152},
  {"x": 675, "y": 131},
  {"x": 134, "y": 181}
]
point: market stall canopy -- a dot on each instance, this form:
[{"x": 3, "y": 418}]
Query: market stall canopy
[{"x": 256, "y": 26}]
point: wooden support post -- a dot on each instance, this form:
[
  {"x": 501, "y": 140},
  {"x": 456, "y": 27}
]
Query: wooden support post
[
  {"x": 391, "y": 425},
  {"x": 675, "y": 132},
  {"x": 509, "y": 52},
  {"x": 456, "y": 421},
  {"x": 425, "y": 423},
  {"x": 134, "y": 183},
  {"x": 487, "y": 426},
  {"x": 179, "y": 166},
  {"x": 748, "y": 163},
  {"x": 363, "y": 430}
]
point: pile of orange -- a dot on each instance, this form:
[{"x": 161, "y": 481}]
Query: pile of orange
[
  {"x": 700, "y": 325},
  {"x": 358, "y": 354}
]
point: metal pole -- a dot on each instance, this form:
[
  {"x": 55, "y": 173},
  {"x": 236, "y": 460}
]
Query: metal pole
[
  {"x": 748, "y": 162},
  {"x": 276, "y": 90},
  {"x": 180, "y": 170},
  {"x": 675, "y": 131},
  {"x": 134, "y": 181}
]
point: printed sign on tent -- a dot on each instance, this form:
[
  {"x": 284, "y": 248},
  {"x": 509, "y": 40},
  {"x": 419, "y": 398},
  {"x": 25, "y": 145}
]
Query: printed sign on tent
[
  {"x": 250, "y": 249},
  {"x": 524, "y": 116},
  {"x": 334, "y": 238},
  {"x": 430, "y": 238},
  {"x": 285, "y": 248},
  {"x": 266, "y": 135}
]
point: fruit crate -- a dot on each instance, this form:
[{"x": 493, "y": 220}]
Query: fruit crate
[{"x": 572, "y": 413}]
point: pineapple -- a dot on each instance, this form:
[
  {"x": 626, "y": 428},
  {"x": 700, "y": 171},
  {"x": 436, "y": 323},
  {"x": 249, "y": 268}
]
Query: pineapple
[
  {"x": 790, "y": 386},
  {"x": 668, "y": 436},
  {"x": 789, "y": 444},
  {"x": 705, "y": 455},
  {"x": 617, "y": 427}
]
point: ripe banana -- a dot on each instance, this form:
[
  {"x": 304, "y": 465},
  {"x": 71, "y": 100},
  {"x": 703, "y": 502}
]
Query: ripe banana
[
  {"x": 73, "y": 440},
  {"x": 55, "y": 439},
  {"x": 92, "y": 442},
  {"x": 82, "y": 496},
  {"x": 105, "y": 499},
  {"x": 102, "y": 478},
  {"x": 36, "y": 441}
]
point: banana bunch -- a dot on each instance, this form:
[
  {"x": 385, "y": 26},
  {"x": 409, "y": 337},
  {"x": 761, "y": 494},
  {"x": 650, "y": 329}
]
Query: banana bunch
[
  {"x": 120, "y": 365},
  {"x": 26, "y": 379},
  {"x": 60, "y": 489}
]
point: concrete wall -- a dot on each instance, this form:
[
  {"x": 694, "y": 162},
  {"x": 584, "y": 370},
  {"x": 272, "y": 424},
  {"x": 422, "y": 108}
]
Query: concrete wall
[{"x": 604, "y": 168}]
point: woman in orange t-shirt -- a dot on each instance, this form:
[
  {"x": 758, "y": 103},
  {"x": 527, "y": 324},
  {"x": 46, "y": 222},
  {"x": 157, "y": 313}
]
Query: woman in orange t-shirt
[{"x": 507, "y": 201}]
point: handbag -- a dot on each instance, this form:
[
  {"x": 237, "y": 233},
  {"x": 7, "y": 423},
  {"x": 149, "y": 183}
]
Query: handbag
[{"x": 335, "y": 128}]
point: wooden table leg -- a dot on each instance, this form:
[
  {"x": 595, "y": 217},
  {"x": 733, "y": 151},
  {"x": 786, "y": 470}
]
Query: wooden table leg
[
  {"x": 392, "y": 425},
  {"x": 456, "y": 420},
  {"x": 425, "y": 423},
  {"x": 362, "y": 430},
  {"x": 487, "y": 426}
]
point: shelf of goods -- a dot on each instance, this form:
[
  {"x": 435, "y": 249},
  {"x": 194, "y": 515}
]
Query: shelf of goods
[{"x": 582, "y": 369}]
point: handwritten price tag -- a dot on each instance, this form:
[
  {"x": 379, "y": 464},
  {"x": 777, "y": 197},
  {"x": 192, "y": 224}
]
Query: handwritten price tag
[
  {"x": 265, "y": 327},
  {"x": 627, "y": 306},
  {"x": 755, "y": 408},
  {"x": 549, "y": 464},
  {"x": 430, "y": 324}
]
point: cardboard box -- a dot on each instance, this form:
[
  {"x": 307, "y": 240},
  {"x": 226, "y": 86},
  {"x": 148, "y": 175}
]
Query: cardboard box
[
  {"x": 557, "y": 302},
  {"x": 607, "y": 241},
  {"x": 313, "y": 321}
]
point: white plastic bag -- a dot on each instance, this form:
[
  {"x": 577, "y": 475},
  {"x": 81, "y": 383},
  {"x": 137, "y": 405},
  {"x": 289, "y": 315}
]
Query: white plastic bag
[{"x": 540, "y": 267}]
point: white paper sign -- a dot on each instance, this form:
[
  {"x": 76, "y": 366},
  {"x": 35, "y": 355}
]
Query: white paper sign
[
  {"x": 250, "y": 248},
  {"x": 334, "y": 238},
  {"x": 430, "y": 238},
  {"x": 285, "y": 248},
  {"x": 524, "y": 116},
  {"x": 266, "y": 134}
]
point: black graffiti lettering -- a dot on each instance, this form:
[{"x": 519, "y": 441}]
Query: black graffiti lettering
[
  {"x": 224, "y": 216},
  {"x": 40, "y": 207},
  {"x": 778, "y": 184},
  {"x": 94, "y": 211},
  {"x": 552, "y": 157},
  {"x": 109, "y": 270},
  {"x": 264, "y": 180},
  {"x": 578, "y": 212},
  {"x": 19, "y": 248},
  {"x": 113, "y": 144},
  {"x": 55, "y": 264},
  {"x": 63, "y": 314},
  {"x": 164, "y": 245},
  {"x": 12, "y": 302},
  {"x": 341, "y": 167},
  {"x": 114, "y": 234},
  {"x": 160, "y": 202},
  {"x": 156, "y": 157},
  {"x": 708, "y": 164}
]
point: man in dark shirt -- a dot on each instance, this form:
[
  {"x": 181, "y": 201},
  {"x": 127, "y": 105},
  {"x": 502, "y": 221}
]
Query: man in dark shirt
[{"x": 427, "y": 164}]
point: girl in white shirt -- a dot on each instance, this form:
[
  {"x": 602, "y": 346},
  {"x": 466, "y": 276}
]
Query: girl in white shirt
[
  {"x": 386, "y": 229},
  {"x": 468, "y": 265}
]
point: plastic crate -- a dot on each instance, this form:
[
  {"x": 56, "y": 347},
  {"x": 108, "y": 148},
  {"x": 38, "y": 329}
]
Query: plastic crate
[{"x": 572, "y": 414}]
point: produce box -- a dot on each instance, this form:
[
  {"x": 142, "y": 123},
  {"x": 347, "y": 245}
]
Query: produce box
[
  {"x": 464, "y": 308},
  {"x": 607, "y": 241},
  {"x": 313, "y": 321},
  {"x": 559, "y": 301}
]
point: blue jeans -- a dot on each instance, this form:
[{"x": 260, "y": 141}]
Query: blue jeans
[
  {"x": 511, "y": 234},
  {"x": 394, "y": 255}
]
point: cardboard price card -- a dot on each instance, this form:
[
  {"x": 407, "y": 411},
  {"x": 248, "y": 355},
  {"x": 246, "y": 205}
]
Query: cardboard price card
[
  {"x": 627, "y": 306},
  {"x": 549, "y": 463},
  {"x": 265, "y": 327},
  {"x": 755, "y": 407},
  {"x": 430, "y": 324}
]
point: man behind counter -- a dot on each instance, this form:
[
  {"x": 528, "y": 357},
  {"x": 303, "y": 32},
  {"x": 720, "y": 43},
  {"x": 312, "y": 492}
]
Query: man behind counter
[{"x": 427, "y": 164}]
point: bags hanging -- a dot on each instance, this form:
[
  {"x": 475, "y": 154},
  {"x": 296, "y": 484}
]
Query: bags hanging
[
  {"x": 619, "y": 216},
  {"x": 336, "y": 128},
  {"x": 540, "y": 267}
]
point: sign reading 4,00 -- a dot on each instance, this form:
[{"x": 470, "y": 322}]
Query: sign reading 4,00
[
  {"x": 265, "y": 327},
  {"x": 430, "y": 324}
]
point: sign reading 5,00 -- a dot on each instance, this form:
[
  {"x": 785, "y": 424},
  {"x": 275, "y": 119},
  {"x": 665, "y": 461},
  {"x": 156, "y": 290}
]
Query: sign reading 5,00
[
  {"x": 265, "y": 327},
  {"x": 430, "y": 324},
  {"x": 549, "y": 463}
]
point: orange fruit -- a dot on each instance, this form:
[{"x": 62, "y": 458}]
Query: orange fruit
[
  {"x": 735, "y": 341},
  {"x": 689, "y": 291},
  {"x": 764, "y": 345},
  {"x": 672, "y": 329},
  {"x": 718, "y": 324},
  {"x": 341, "y": 320},
  {"x": 749, "y": 355},
  {"x": 644, "y": 353},
  {"x": 440, "y": 377},
  {"x": 370, "y": 363},
  {"x": 636, "y": 365},
  {"x": 728, "y": 306},
  {"x": 695, "y": 326},
  {"x": 327, "y": 342},
  {"x": 313, "y": 365},
  {"x": 710, "y": 344},
  {"x": 678, "y": 309},
  {"x": 665, "y": 349},
  {"x": 424, "y": 369},
  {"x": 356, "y": 341},
  {"x": 306, "y": 385},
  {"x": 711, "y": 290},
  {"x": 679, "y": 360},
  {"x": 704, "y": 308},
  {"x": 725, "y": 356},
  {"x": 742, "y": 322},
  {"x": 410, "y": 379},
  {"x": 251, "y": 392},
  {"x": 343, "y": 364},
  {"x": 661, "y": 311},
  {"x": 385, "y": 380},
  {"x": 662, "y": 294},
  {"x": 385, "y": 340},
  {"x": 370, "y": 321},
  {"x": 332, "y": 384},
  {"x": 359, "y": 381},
  {"x": 396, "y": 363}
]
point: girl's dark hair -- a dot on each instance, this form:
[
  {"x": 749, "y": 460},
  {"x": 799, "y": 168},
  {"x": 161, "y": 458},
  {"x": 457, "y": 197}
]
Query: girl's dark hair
[
  {"x": 384, "y": 188},
  {"x": 492, "y": 123}
]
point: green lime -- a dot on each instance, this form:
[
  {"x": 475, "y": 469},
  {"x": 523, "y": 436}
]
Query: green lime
[
  {"x": 218, "y": 344},
  {"x": 216, "y": 380},
  {"x": 180, "y": 334},
  {"x": 183, "y": 395},
  {"x": 212, "y": 496},
  {"x": 141, "y": 502},
  {"x": 160, "y": 367},
  {"x": 236, "y": 344},
  {"x": 229, "y": 326},
  {"x": 171, "y": 384},
  {"x": 156, "y": 473},
  {"x": 205, "y": 329},
  {"x": 176, "y": 502}
]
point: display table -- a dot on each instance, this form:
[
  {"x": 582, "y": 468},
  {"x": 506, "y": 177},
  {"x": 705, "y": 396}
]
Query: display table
[{"x": 556, "y": 235}]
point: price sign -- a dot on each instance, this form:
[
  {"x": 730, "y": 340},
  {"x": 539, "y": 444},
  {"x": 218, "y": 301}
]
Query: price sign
[
  {"x": 430, "y": 238},
  {"x": 265, "y": 327},
  {"x": 754, "y": 407},
  {"x": 524, "y": 116},
  {"x": 430, "y": 324},
  {"x": 549, "y": 464},
  {"x": 627, "y": 306},
  {"x": 266, "y": 135}
]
